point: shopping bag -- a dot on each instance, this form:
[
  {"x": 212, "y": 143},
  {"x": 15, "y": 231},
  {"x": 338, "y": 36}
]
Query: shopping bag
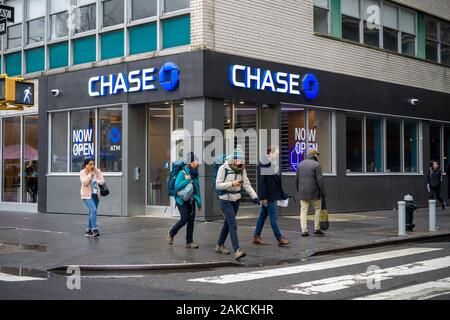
[{"x": 324, "y": 222}]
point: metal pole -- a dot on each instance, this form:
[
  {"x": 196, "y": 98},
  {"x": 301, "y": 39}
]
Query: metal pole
[
  {"x": 432, "y": 215},
  {"x": 401, "y": 218}
]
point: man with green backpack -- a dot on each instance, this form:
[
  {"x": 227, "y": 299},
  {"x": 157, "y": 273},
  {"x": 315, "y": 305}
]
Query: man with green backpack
[
  {"x": 185, "y": 188},
  {"x": 229, "y": 180}
]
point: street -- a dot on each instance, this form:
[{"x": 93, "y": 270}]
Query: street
[{"x": 416, "y": 271}]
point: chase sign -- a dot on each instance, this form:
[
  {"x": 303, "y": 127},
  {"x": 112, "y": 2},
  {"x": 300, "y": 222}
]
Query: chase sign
[
  {"x": 168, "y": 78},
  {"x": 246, "y": 77}
]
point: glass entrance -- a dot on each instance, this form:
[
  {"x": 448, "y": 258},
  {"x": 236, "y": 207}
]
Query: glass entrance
[{"x": 164, "y": 123}]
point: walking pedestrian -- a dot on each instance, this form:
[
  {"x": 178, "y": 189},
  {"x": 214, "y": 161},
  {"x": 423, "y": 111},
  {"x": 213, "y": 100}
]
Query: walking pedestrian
[
  {"x": 434, "y": 183},
  {"x": 188, "y": 199},
  {"x": 231, "y": 179},
  {"x": 310, "y": 190},
  {"x": 270, "y": 190},
  {"x": 91, "y": 177}
]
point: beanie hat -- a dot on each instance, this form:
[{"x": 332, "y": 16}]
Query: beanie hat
[{"x": 191, "y": 157}]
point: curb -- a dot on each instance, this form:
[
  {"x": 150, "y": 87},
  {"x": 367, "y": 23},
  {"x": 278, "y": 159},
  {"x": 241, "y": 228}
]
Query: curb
[
  {"x": 148, "y": 267},
  {"x": 380, "y": 243}
]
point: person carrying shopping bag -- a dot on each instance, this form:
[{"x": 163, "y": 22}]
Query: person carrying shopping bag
[{"x": 231, "y": 179}]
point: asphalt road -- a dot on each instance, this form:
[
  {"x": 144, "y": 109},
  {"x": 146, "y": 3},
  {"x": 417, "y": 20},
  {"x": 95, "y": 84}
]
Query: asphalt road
[{"x": 414, "y": 271}]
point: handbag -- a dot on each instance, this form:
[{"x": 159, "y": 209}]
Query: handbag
[
  {"x": 324, "y": 222},
  {"x": 104, "y": 191},
  {"x": 186, "y": 192}
]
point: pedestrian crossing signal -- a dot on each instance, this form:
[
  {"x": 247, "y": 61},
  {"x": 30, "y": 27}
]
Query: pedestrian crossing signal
[{"x": 15, "y": 92}]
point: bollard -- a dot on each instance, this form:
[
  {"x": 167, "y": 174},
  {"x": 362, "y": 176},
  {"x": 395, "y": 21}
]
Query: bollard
[
  {"x": 432, "y": 215},
  {"x": 401, "y": 218}
]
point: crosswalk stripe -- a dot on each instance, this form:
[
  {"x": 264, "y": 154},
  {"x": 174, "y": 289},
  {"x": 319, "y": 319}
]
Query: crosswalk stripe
[
  {"x": 368, "y": 278},
  {"x": 423, "y": 291},
  {"x": 12, "y": 278},
  {"x": 343, "y": 262}
]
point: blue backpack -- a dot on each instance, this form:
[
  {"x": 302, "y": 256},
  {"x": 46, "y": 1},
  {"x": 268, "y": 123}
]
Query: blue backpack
[{"x": 177, "y": 166}]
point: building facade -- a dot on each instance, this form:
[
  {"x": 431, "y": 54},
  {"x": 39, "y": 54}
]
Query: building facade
[{"x": 365, "y": 82}]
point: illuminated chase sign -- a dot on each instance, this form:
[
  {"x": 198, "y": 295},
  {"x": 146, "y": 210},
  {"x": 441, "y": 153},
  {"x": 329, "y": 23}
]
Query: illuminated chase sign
[
  {"x": 281, "y": 82},
  {"x": 135, "y": 81}
]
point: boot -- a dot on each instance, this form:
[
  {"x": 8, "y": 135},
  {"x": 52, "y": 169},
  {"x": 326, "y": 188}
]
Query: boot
[
  {"x": 283, "y": 242},
  {"x": 257, "y": 240}
]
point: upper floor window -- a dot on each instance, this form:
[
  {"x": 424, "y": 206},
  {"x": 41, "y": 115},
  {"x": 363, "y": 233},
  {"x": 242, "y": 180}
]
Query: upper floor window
[
  {"x": 350, "y": 20},
  {"x": 14, "y": 32},
  {"x": 390, "y": 28},
  {"x": 408, "y": 32},
  {"x": 175, "y": 5},
  {"x": 85, "y": 15},
  {"x": 59, "y": 18},
  {"x": 113, "y": 12},
  {"x": 141, "y": 9},
  {"x": 321, "y": 16},
  {"x": 445, "y": 43},
  {"x": 35, "y": 21}
]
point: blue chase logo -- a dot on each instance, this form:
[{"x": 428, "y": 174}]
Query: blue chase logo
[{"x": 135, "y": 81}]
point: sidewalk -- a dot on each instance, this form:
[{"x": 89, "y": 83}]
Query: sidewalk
[{"x": 55, "y": 240}]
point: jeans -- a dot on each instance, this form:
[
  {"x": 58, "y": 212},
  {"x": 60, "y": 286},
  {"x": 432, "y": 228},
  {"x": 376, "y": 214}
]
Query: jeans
[
  {"x": 187, "y": 213},
  {"x": 229, "y": 209},
  {"x": 271, "y": 211},
  {"x": 435, "y": 193},
  {"x": 92, "y": 205},
  {"x": 304, "y": 204}
]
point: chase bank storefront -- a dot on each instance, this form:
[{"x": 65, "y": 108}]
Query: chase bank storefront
[{"x": 375, "y": 139}]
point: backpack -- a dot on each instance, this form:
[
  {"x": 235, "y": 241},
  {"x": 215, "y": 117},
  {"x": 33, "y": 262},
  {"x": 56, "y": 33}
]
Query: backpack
[
  {"x": 177, "y": 166},
  {"x": 218, "y": 162}
]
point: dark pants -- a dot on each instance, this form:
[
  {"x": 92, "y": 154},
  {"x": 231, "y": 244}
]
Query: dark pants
[
  {"x": 271, "y": 211},
  {"x": 229, "y": 209},
  {"x": 435, "y": 193},
  {"x": 187, "y": 213}
]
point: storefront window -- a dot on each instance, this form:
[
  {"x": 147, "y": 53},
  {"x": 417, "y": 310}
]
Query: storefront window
[
  {"x": 393, "y": 146},
  {"x": 30, "y": 159},
  {"x": 411, "y": 147},
  {"x": 110, "y": 139},
  {"x": 292, "y": 140},
  {"x": 178, "y": 116},
  {"x": 82, "y": 138},
  {"x": 374, "y": 145},
  {"x": 59, "y": 142},
  {"x": 435, "y": 143},
  {"x": 447, "y": 150},
  {"x": 354, "y": 144},
  {"x": 11, "y": 159},
  {"x": 143, "y": 9},
  {"x": 319, "y": 128}
]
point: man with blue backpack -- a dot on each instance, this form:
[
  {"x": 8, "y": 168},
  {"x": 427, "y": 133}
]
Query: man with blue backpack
[
  {"x": 185, "y": 187},
  {"x": 230, "y": 178}
]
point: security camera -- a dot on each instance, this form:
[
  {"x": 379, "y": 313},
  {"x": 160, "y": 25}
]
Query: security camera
[
  {"x": 413, "y": 102},
  {"x": 55, "y": 92}
]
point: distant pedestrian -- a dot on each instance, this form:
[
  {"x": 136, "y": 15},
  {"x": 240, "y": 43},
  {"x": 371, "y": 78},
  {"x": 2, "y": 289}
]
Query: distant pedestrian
[
  {"x": 231, "y": 179},
  {"x": 270, "y": 190},
  {"x": 434, "y": 183},
  {"x": 187, "y": 199},
  {"x": 91, "y": 177},
  {"x": 310, "y": 190}
]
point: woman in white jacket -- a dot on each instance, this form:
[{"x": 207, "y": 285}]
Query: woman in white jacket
[{"x": 231, "y": 179}]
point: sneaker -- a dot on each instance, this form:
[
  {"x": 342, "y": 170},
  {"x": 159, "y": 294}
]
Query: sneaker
[
  {"x": 95, "y": 233},
  {"x": 319, "y": 232},
  {"x": 239, "y": 254},
  {"x": 305, "y": 234},
  {"x": 443, "y": 206},
  {"x": 169, "y": 238},
  {"x": 88, "y": 233},
  {"x": 192, "y": 245},
  {"x": 222, "y": 250}
]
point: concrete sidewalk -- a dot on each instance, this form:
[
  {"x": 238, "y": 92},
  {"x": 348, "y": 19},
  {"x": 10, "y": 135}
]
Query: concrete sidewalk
[{"x": 45, "y": 241}]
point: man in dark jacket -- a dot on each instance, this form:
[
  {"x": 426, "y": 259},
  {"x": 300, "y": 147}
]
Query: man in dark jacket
[
  {"x": 310, "y": 190},
  {"x": 434, "y": 182},
  {"x": 270, "y": 190}
]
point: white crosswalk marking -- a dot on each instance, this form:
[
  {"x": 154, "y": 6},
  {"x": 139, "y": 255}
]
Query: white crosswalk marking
[
  {"x": 348, "y": 281},
  {"x": 12, "y": 278},
  {"x": 421, "y": 291},
  {"x": 343, "y": 262}
]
